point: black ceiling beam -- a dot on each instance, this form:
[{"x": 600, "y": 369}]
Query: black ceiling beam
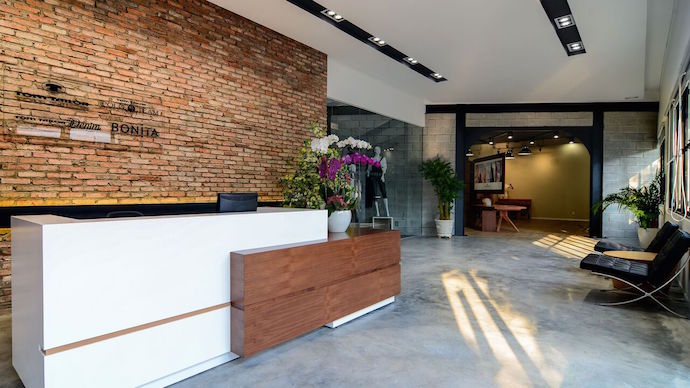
[
  {"x": 354, "y": 31},
  {"x": 546, "y": 107},
  {"x": 559, "y": 8}
]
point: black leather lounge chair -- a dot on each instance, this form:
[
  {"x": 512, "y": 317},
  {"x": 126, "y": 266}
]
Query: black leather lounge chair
[
  {"x": 655, "y": 246},
  {"x": 645, "y": 279}
]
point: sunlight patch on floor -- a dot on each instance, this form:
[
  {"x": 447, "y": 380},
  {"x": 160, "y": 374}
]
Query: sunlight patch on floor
[
  {"x": 570, "y": 246},
  {"x": 491, "y": 328}
]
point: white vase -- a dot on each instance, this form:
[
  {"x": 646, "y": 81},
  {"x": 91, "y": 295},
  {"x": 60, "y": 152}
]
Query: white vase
[
  {"x": 339, "y": 220},
  {"x": 646, "y": 236},
  {"x": 444, "y": 228}
]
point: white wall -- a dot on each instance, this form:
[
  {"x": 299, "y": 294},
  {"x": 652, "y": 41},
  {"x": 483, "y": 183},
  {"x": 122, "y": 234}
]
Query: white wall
[
  {"x": 677, "y": 51},
  {"x": 675, "y": 63},
  {"x": 355, "y": 88}
]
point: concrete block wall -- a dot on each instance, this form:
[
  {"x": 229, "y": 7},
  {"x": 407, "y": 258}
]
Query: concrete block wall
[
  {"x": 631, "y": 158},
  {"x": 403, "y": 180},
  {"x": 439, "y": 140},
  {"x": 529, "y": 119}
]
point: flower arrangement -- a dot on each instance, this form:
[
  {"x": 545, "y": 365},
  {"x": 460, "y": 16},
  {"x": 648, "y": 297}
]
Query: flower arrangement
[
  {"x": 353, "y": 143},
  {"x": 360, "y": 159},
  {"x": 322, "y": 178}
]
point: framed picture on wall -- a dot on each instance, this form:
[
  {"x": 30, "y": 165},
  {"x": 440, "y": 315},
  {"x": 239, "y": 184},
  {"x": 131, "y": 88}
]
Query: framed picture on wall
[{"x": 489, "y": 174}]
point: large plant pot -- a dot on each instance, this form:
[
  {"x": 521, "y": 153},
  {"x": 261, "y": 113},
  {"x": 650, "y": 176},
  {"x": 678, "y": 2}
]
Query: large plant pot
[
  {"x": 339, "y": 221},
  {"x": 646, "y": 236},
  {"x": 444, "y": 228}
]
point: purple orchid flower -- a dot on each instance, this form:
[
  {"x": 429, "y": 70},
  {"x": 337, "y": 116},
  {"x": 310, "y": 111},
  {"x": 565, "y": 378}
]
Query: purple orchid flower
[
  {"x": 323, "y": 167},
  {"x": 333, "y": 168}
]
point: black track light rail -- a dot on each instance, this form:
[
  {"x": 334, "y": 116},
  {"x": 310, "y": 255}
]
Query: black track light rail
[{"x": 358, "y": 33}]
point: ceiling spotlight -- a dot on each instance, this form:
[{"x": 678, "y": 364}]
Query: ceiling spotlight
[
  {"x": 571, "y": 141},
  {"x": 377, "y": 41},
  {"x": 411, "y": 61},
  {"x": 436, "y": 75},
  {"x": 525, "y": 151},
  {"x": 564, "y": 21},
  {"x": 510, "y": 135},
  {"x": 333, "y": 15},
  {"x": 575, "y": 46},
  {"x": 469, "y": 152},
  {"x": 555, "y": 135},
  {"x": 531, "y": 142},
  {"x": 509, "y": 154},
  {"x": 491, "y": 141}
]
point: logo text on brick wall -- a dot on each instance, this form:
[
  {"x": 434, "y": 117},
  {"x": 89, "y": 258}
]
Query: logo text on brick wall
[
  {"x": 52, "y": 100},
  {"x": 129, "y": 106},
  {"x": 134, "y": 130}
]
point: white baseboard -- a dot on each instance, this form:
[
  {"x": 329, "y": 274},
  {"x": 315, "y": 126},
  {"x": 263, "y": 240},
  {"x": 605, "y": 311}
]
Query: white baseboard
[
  {"x": 561, "y": 219},
  {"x": 357, "y": 314},
  {"x": 191, "y": 371}
]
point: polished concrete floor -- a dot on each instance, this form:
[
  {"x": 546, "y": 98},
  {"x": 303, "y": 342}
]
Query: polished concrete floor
[{"x": 481, "y": 311}]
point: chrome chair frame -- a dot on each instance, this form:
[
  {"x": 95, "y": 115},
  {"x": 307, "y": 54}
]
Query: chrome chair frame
[{"x": 645, "y": 294}]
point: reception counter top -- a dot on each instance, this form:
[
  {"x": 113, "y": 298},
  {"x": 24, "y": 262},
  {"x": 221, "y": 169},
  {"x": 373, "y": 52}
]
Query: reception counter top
[{"x": 133, "y": 301}]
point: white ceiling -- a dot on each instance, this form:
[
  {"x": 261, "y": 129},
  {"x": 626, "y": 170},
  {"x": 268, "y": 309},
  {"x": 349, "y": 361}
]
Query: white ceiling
[{"x": 491, "y": 51}]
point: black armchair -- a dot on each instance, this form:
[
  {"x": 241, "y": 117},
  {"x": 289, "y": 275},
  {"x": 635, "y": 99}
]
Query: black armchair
[
  {"x": 645, "y": 279},
  {"x": 655, "y": 246}
]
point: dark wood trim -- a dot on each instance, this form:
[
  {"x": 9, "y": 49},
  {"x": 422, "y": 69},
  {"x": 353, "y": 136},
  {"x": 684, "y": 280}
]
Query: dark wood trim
[
  {"x": 460, "y": 158},
  {"x": 596, "y": 173}
]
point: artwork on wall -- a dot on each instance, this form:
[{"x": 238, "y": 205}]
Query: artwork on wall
[{"x": 489, "y": 174}]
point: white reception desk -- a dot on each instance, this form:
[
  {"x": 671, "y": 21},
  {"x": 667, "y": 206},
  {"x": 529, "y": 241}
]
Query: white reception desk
[{"x": 125, "y": 302}]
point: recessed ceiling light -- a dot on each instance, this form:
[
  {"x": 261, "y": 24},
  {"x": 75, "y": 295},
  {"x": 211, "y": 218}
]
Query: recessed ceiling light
[
  {"x": 436, "y": 75},
  {"x": 377, "y": 41},
  {"x": 411, "y": 61},
  {"x": 333, "y": 15},
  {"x": 575, "y": 46},
  {"x": 564, "y": 21}
]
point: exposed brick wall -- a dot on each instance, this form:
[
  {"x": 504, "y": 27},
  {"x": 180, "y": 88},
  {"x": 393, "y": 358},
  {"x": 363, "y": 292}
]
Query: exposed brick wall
[{"x": 235, "y": 101}]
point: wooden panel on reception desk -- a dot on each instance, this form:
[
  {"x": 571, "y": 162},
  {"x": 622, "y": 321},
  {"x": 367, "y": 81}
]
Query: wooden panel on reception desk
[{"x": 280, "y": 293}]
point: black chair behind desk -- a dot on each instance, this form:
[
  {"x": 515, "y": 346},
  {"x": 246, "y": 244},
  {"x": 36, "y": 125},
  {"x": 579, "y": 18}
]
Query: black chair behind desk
[
  {"x": 124, "y": 213},
  {"x": 237, "y": 202}
]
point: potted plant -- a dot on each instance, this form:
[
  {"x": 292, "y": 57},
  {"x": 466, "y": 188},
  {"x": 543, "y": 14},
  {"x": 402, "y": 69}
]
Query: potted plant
[
  {"x": 323, "y": 177},
  {"x": 447, "y": 186},
  {"x": 644, "y": 203}
]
